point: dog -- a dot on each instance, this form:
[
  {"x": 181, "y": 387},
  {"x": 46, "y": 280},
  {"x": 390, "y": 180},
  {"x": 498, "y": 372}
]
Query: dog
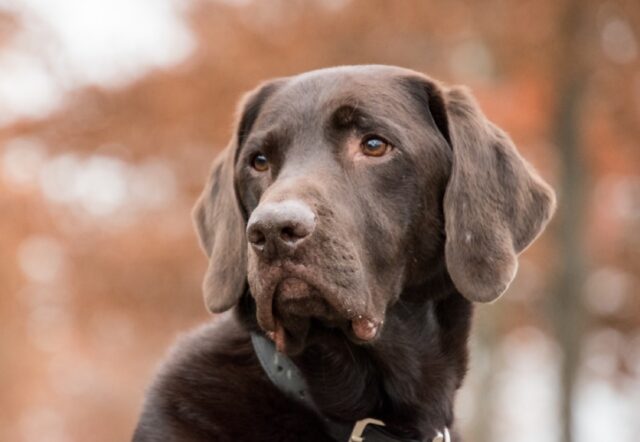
[{"x": 350, "y": 224}]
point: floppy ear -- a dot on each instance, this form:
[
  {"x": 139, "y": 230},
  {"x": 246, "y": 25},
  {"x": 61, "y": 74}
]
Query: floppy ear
[
  {"x": 495, "y": 204},
  {"x": 219, "y": 221}
]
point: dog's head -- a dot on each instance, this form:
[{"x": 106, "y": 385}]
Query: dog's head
[{"x": 343, "y": 187}]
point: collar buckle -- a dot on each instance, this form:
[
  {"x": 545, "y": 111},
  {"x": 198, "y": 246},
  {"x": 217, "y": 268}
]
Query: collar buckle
[
  {"x": 442, "y": 436},
  {"x": 360, "y": 426}
]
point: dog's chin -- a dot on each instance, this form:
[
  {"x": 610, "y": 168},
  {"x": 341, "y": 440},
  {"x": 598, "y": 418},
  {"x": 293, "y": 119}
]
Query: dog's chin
[
  {"x": 291, "y": 334},
  {"x": 300, "y": 310},
  {"x": 291, "y": 310}
]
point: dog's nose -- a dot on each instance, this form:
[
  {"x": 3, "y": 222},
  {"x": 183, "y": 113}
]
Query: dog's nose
[{"x": 278, "y": 228}]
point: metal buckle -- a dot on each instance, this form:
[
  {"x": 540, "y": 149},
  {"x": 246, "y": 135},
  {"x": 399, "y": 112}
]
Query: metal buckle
[
  {"x": 359, "y": 427},
  {"x": 442, "y": 437}
]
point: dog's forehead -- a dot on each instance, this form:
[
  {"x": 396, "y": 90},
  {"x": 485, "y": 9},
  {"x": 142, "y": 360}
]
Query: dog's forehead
[{"x": 319, "y": 92}]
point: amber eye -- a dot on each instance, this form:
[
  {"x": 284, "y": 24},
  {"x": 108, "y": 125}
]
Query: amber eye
[
  {"x": 260, "y": 163},
  {"x": 375, "y": 146}
]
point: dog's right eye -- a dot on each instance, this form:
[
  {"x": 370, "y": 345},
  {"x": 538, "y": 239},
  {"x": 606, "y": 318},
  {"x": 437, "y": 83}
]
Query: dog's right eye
[
  {"x": 260, "y": 162},
  {"x": 375, "y": 146}
]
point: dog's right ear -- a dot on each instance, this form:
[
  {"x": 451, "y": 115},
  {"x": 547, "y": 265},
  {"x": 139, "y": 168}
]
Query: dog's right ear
[
  {"x": 495, "y": 204},
  {"x": 218, "y": 218}
]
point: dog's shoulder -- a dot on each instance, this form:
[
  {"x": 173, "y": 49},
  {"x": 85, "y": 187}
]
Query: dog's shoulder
[
  {"x": 178, "y": 405},
  {"x": 212, "y": 387}
]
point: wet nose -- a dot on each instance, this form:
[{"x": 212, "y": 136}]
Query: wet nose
[{"x": 276, "y": 229}]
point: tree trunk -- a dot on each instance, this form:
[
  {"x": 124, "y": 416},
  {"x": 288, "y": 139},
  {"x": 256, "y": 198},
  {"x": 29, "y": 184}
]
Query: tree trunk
[{"x": 568, "y": 312}]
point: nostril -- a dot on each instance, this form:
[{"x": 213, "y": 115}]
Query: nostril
[
  {"x": 259, "y": 240},
  {"x": 256, "y": 237},
  {"x": 288, "y": 234},
  {"x": 295, "y": 232}
]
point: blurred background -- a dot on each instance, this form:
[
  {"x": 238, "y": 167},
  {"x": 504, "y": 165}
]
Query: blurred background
[{"x": 111, "y": 112}]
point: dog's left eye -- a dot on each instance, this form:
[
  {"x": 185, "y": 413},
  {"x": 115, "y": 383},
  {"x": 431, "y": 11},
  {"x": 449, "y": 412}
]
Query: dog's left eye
[
  {"x": 260, "y": 162},
  {"x": 375, "y": 146}
]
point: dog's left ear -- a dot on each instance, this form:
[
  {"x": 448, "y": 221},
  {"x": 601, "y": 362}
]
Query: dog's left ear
[
  {"x": 219, "y": 221},
  {"x": 495, "y": 204}
]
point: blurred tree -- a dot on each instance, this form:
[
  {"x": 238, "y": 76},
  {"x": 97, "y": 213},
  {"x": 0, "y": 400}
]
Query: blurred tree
[{"x": 570, "y": 76}]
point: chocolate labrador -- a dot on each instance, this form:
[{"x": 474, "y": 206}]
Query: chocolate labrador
[{"x": 355, "y": 217}]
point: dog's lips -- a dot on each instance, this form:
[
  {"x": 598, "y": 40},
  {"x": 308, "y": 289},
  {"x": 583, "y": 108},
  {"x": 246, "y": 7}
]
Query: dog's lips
[
  {"x": 279, "y": 337},
  {"x": 289, "y": 303},
  {"x": 290, "y": 295},
  {"x": 365, "y": 329}
]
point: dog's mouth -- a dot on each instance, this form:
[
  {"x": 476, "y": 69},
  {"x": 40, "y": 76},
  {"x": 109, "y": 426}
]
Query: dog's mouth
[{"x": 295, "y": 303}]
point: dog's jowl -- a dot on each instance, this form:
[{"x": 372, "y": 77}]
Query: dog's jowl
[{"x": 350, "y": 224}]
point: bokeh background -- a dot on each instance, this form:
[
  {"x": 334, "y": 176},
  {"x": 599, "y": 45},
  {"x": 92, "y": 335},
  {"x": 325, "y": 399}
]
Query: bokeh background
[{"x": 111, "y": 112}]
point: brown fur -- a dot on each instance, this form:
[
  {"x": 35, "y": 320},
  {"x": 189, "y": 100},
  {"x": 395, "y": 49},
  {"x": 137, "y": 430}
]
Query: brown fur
[{"x": 406, "y": 240}]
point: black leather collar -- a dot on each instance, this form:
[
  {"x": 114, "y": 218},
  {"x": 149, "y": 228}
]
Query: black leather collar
[{"x": 285, "y": 375}]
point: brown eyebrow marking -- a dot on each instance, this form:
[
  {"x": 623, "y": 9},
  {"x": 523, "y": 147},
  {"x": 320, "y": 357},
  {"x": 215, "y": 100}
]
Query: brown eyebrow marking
[
  {"x": 351, "y": 116},
  {"x": 344, "y": 116}
]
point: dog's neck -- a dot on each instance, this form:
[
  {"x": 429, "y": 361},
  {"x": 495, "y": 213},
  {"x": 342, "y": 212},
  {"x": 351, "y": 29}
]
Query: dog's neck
[{"x": 408, "y": 378}]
